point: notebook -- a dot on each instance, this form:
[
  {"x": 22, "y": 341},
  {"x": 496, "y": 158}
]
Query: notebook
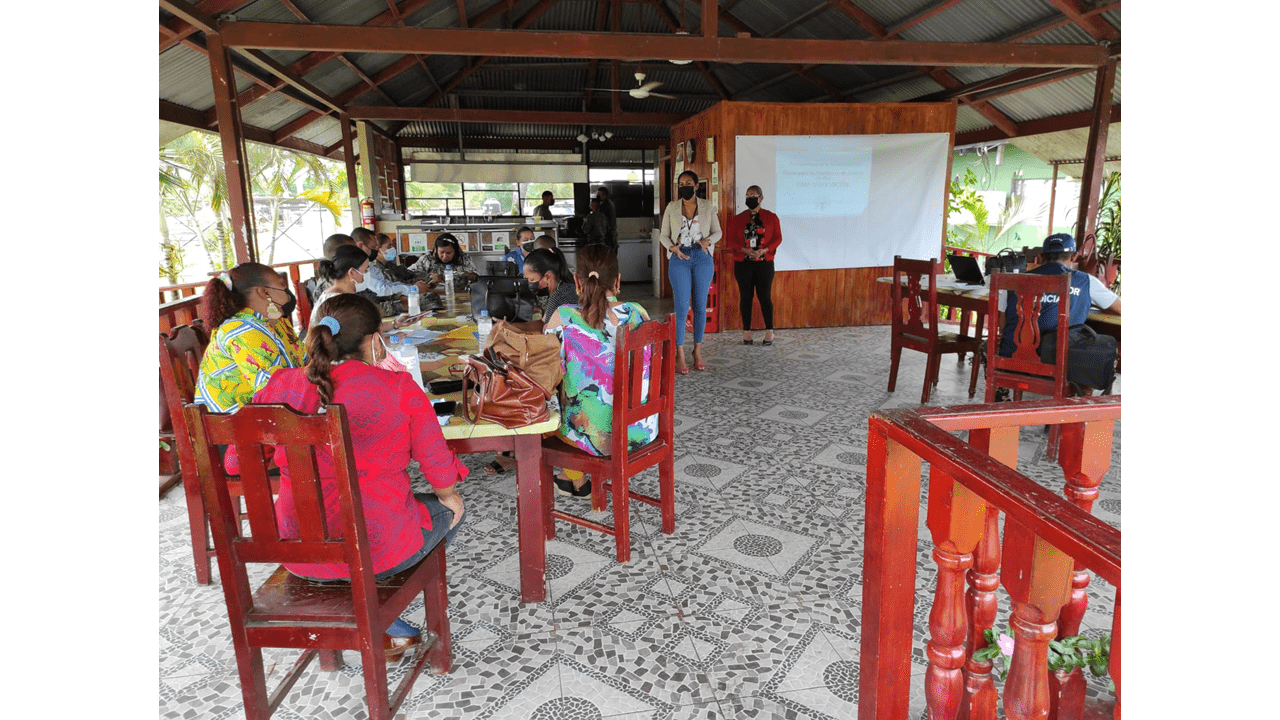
[{"x": 966, "y": 269}]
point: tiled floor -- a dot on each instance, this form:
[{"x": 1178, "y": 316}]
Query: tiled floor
[{"x": 750, "y": 610}]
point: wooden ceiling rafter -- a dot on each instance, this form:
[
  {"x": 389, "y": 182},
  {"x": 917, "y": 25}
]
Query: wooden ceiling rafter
[
  {"x": 673, "y": 24},
  {"x": 1097, "y": 27},
  {"x": 172, "y": 112},
  {"x": 179, "y": 29},
  {"x": 803, "y": 71},
  {"x": 602, "y": 12},
  {"x": 530, "y": 117}
]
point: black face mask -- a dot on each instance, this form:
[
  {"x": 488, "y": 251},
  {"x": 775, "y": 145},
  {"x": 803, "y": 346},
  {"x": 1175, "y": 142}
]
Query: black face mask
[
  {"x": 753, "y": 202},
  {"x": 289, "y": 307},
  {"x": 686, "y": 192},
  {"x": 373, "y": 255}
]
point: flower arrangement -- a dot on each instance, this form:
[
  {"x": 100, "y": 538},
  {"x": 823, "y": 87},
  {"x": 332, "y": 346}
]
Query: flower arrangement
[{"x": 1065, "y": 655}]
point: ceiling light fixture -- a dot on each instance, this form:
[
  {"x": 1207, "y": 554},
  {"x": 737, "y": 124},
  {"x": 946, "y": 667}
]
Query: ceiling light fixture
[
  {"x": 681, "y": 31},
  {"x": 581, "y": 138}
]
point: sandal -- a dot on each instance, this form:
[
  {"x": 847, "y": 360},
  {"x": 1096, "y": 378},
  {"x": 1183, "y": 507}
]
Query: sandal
[
  {"x": 564, "y": 486},
  {"x": 753, "y": 342},
  {"x": 495, "y": 468}
]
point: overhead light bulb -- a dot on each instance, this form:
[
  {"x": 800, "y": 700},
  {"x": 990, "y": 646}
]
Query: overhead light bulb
[
  {"x": 582, "y": 138},
  {"x": 608, "y": 134},
  {"x": 681, "y": 62}
]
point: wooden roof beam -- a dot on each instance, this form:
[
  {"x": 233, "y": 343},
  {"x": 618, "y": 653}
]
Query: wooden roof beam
[
  {"x": 1057, "y": 123},
  {"x": 921, "y": 16},
  {"x": 179, "y": 29},
  {"x": 506, "y": 43},
  {"x": 703, "y": 68},
  {"x": 531, "y": 117},
  {"x": 1096, "y": 26}
]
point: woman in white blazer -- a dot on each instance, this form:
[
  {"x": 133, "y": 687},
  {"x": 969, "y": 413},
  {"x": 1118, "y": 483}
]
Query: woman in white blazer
[{"x": 690, "y": 230}]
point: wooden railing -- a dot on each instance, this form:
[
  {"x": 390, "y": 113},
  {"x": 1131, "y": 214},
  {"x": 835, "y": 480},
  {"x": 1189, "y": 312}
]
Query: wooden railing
[
  {"x": 170, "y": 293},
  {"x": 179, "y": 312},
  {"x": 1049, "y": 546}
]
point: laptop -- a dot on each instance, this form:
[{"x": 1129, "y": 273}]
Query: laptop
[{"x": 966, "y": 269}]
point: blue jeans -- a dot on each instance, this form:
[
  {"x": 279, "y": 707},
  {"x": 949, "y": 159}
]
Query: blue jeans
[
  {"x": 441, "y": 517},
  {"x": 691, "y": 280}
]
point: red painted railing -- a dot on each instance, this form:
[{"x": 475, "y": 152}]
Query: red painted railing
[
  {"x": 183, "y": 290},
  {"x": 1048, "y": 543}
]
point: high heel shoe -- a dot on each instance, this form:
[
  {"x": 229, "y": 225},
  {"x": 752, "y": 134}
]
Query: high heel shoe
[{"x": 748, "y": 342}]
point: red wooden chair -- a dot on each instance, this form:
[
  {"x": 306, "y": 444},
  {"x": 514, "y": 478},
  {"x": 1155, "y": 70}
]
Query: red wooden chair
[
  {"x": 304, "y": 305},
  {"x": 915, "y": 326},
  {"x": 614, "y": 471},
  {"x": 286, "y": 611},
  {"x": 1024, "y": 371},
  {"x": 180, "y": 352}
]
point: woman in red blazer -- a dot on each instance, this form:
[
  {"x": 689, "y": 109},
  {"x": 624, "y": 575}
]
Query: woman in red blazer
[{"x": 753, "y": 237}]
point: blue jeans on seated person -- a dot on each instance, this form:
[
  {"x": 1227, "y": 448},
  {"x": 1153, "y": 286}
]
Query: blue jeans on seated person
[
  {"x": 441, "y": 517},
  {"x": 690, "y": 281}
]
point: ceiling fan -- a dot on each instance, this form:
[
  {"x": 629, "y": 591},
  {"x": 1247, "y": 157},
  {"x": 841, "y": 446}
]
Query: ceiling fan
[{"x": 643, "y": 89}]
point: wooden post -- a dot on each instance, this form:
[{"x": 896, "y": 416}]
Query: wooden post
[
  {"x": 231, "y": 132},
  {"x": 368, "y": 166},
  {"x": 889, "y": 576},
  {"x": 1053, "y": 195},
  {"x": 353, "y": 181},
  {"x": 1114, "y": 664},
  {"x": 1095, "y": 155},
  {"x": 404, "y": 198}
]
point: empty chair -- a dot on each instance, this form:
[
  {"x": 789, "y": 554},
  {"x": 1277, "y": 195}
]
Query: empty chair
[
  {"x": 915, "y": 324},
  {"x": 287, "y": 611}
]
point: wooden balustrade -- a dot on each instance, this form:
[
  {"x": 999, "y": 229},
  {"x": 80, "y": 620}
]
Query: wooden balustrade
[
  {"x": 170, "y": 293},
  {"x": 179, "y": 312},
  {"x": 1049, "y": 541}
]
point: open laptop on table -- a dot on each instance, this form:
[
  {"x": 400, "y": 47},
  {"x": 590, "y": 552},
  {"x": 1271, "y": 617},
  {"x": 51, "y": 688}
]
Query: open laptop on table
[{"x": 966, "y": 269}]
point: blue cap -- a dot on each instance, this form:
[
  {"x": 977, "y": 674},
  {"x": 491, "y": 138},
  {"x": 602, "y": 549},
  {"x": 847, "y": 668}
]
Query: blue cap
[{"x": 1059, "y": 243}]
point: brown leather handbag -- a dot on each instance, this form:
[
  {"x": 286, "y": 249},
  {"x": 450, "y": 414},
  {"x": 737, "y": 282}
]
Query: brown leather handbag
[
  {"x": 537, "y": 355},
  {"x": 493, "y": 389}
]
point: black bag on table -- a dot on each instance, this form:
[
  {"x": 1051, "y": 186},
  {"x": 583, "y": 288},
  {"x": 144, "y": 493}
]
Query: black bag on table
[
  {"x": 506, "y": 298},
  {"x": 502, "y": 268},
  {"x": 1091, "y": 358},
  {"x": 1006, "y": 261}
]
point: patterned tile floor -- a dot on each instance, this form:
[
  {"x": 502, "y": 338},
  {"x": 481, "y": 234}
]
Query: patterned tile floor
[{"x": 750, "y": 610}]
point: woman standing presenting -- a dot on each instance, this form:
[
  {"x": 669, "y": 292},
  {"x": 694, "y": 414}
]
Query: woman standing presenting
[
  {"x": 690, "y": 229},
  {"x": 754, "y": 236}
]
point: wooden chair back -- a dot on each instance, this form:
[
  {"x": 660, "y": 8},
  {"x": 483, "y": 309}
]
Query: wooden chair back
[
  {"x": 300, "y": 291},
  {"x": 1033, "y": 256},
  {"x": 651, "y": 345},
  {"x": 253, "y": 430},
  {"x": 1024, "y": 370},
  {"x": 915, "y": 319}
]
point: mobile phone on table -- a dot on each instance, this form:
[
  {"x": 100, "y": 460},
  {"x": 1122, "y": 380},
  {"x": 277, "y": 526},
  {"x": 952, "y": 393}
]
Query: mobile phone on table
[
  {"x": 445, "y": 408},
  {"x": 444, "y": 387}
]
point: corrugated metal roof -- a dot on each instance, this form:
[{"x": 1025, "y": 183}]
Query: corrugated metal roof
[
  {"x": 1065, "y": 96},
  {"x": 341, "y": 12},
  {"x": 969, "y": 119},
  {"x": 901, "y": 91},
  {"x": 975, "y": 20},
  {"x": 333, "y": 78},
  {"x": 325, "y": 131},
  {"x": 185, "y": 78},
  {"x": 269, "y": 11},
  {"x": 271, "y": 112},
  {"x": 1069, "y": 34},
  {"x": 372, "y": 63}
]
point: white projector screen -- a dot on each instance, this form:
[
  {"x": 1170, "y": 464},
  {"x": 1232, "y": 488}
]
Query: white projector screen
[{"x": 848, "y": 201}]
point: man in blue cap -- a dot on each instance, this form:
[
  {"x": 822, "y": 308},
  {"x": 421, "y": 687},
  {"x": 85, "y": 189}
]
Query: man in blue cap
[{"x": 1091, "y": 358}]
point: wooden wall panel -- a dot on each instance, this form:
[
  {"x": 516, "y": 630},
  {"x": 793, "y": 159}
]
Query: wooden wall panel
[{"x": 806, "y": 298}]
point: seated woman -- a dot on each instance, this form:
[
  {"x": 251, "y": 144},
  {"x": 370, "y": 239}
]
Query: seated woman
[
  {"x": 445, "y": 253},
  {"x": 247, "y": 310},
  {"x": 588, "y": 332},
  {"x": 546, "y": 269},
  {"x": 391, "y": 422},
  {"x": 343, "y": 273}
]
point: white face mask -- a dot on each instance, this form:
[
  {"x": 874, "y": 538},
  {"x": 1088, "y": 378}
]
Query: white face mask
[{"x": 362, "y": 283}]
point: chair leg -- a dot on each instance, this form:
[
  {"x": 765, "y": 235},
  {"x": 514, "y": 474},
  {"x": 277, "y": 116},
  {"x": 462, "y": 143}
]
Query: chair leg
[
  {"x": 253, "y": 682},
  {"x": 375, "y": 681},
  {"x": 1051, "y": 449},
  {"x": 667, "y": 493},
  {"x": 199, "y": 522},
  {"x": 330, "y": 660},
  {"x": 547, "y": 484},
  {"x": 435, "y": 600},
  {"x": 973, "y": 376},
  {"x": 930, "y": 370},
  {"x": 895, "y": 354},
  {"x": 622, "y": 517},
  {"x": 599, "y": 502}
]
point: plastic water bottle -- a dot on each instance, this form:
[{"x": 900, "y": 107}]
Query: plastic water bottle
[
  {"x": 407, "y": 353},
  {"x": 448, "y": 288},
  {"x": 485, "y": 324},
  {"x": 415, "y": 305}
]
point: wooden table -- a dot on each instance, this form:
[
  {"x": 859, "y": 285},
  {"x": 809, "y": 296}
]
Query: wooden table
[{"x": 525, "y": 443}]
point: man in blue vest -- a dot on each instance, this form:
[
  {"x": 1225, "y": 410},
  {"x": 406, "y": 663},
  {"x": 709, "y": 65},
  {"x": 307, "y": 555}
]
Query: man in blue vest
[{"x": 1091, "y": 358}]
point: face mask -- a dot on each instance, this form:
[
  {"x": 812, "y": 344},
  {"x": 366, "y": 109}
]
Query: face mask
[
  {"x": 388, "y": 361},
  {"x": 390, "y": 254},
  {"x": 753, "y": 202},
  {"x": 686, "y": 192},
  {"x": 360, "y": 284},
  {"x": 373, "y": 254},
  {"x": 550, "y": 203},
  {"x": 289, "y": 306}
]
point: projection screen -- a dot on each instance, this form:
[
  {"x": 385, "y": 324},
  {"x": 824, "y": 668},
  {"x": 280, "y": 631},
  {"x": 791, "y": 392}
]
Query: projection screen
[{"x": 848, "y": 201}]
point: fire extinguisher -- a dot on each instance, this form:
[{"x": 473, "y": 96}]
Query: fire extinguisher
[{"x": 366, "y": 213}]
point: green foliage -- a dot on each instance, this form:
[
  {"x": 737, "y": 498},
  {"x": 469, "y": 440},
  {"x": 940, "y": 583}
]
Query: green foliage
[
  {"x": 1065, "y": 655},
  {"x": 965, "y": 198},
  {"x": 1108, "y": 227}
]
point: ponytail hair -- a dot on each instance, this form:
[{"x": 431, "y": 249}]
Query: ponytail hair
[
  {"x": 597, "y": 274},
  {"x": 222, "y": 300},
  {"x": 357, "y": 319},
  {"x": 549, "y": 260},
  {"x": 345, "y": 258}
]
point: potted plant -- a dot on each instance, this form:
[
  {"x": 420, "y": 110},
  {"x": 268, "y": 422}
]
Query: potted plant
[{"x": 1108, "y": 233}]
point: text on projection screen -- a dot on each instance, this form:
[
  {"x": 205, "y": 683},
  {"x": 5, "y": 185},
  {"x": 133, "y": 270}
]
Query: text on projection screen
[{"x": 848, "y": 201}]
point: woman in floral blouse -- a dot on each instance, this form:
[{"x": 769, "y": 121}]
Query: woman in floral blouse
[{"x": 248, "y": 311}]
